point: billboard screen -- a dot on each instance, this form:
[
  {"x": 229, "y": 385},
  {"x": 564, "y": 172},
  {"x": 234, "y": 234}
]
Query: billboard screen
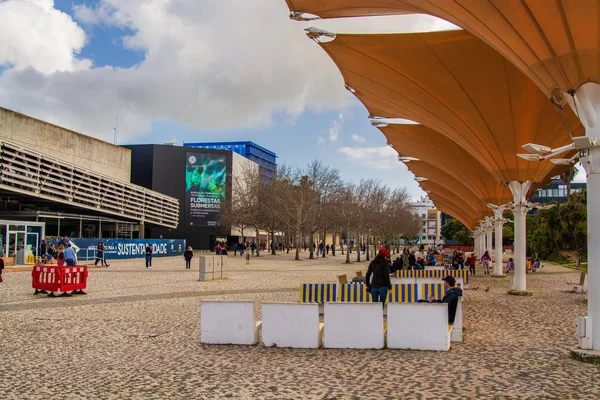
[{"x": 205, "y": 188}]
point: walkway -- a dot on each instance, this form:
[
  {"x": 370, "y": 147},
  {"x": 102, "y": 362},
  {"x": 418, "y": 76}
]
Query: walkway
[{"x": 136, "y": 335}]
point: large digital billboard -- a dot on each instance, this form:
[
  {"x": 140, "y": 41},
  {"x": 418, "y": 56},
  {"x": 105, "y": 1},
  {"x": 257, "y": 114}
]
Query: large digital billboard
[{"x": 205, "y": 189}]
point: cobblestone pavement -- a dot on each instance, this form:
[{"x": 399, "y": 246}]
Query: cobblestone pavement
[{"x": 136, "y": 336}]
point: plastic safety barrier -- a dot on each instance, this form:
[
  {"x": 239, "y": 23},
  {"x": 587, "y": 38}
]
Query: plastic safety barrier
[{"x": 54, "y": 279}]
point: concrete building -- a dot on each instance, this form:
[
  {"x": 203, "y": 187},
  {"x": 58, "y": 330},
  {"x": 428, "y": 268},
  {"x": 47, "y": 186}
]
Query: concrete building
[
  {"x": 431, "y": 221},
  {"x": 54, "y": 182}
]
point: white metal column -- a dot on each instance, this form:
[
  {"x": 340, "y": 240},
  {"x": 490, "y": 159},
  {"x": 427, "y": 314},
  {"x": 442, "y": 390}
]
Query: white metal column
[
  {"x": 519, "y": 191},
  {"x": 588, "y": 105}
]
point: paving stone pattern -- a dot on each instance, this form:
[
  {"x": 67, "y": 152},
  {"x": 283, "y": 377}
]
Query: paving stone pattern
[{"x": 136, "y": 336}]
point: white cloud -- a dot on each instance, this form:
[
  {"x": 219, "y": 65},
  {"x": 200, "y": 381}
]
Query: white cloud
[
  {"x": 33, "y": 34},
  {"x": 210, "y": 65},
  {"x": 359, "y": 139},
  {"x": 320, "y": 140},
  {"x": 335, "y": 127},
  {"x": 383, "y": 157}
]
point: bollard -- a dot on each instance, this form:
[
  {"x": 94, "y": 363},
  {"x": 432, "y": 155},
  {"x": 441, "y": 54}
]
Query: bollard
[{"x": 247, "y": 258}]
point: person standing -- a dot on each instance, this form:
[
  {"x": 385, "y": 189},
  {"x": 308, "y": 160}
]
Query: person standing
[
  {"x": 149, "y": 251},
  {"x": 64, "y": 241},
  {"x": 60, "y": 256},
  {"x": 485, "y": 260},
  {"x": 1, "y": 269},
  {"x": 70, "y": 256},
  {"x": 380, "y": 270},
  {"x": 412, "y": 261},
  {"x": 472, "y": 262},
  {"x": 235, "y": 247},
  {"x": 44, "y": 251},
  {"x": 188, "y": 254}
]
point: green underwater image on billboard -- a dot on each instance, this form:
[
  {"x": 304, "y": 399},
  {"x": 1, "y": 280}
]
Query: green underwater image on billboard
[{"x": 206, "y": 188}]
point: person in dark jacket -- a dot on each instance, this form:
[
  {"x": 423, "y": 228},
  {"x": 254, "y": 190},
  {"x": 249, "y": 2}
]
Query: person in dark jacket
[
  {"x": 412, "y": 261},
  {"x": 149, "y": 251},
  {"x": 451, "y": 297},
  {"x": 188, "y": 254},
  {"x": 380, "y": 270}
]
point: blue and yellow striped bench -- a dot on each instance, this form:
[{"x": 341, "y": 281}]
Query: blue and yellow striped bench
[
  {"x": 435, "y": 290},
  {"x": 406, "y": 293},
  {"x": 356, "y": 293},
  {"x": 318, "y": 293},
  {"x": 464, "y": 274}
]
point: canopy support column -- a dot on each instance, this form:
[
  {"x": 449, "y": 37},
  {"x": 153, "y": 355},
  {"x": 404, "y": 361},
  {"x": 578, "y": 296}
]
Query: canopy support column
[
  {"x": 588, "y": 101},
  {"x": 519, "y": 191},
  {"x": 498, "y": 223},
  {"x": 488, "y": 233}
]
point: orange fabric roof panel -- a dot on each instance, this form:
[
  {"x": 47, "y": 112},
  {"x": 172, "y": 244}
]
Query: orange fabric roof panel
[
  {"x": 556, "y": 43},
  {"x": 454, "y": 83},
  {"x": 433, "y": 148}
]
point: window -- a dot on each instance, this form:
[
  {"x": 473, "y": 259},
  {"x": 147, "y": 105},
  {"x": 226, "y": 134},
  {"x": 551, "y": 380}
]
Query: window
[{"x": 423, "y": 216}]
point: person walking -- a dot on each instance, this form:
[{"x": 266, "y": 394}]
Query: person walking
[
  {"x": 149, "y": 252},
  {"x": 1, "y": 269},
  {"x": 235, "y": 248},
  {"x": 485, "y": 260},
  {"x": 380, "y": 270},
  {"x": 100, "y": 254},
  {"x": 188, "y": 255}
]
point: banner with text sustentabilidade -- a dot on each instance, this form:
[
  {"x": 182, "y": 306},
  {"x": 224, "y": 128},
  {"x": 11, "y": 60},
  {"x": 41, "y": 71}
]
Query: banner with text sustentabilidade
[{"x": 205, "y": 188}]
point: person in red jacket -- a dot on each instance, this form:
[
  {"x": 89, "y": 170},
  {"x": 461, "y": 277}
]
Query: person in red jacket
[{"x": 473, "y": 260}]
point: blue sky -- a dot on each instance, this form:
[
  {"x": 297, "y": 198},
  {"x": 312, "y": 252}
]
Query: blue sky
[{"x": 115, "y": 43}]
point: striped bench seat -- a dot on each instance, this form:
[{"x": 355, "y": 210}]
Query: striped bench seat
[{"x": 318, "y": 293}]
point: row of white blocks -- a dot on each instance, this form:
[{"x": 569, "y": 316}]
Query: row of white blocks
[{"x": 419, "y": 326}]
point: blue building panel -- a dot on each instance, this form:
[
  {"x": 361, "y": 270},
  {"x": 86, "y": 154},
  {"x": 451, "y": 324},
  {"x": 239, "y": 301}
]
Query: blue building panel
[{"x": 266, "y": 159}]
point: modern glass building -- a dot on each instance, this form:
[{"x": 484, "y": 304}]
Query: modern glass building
[
  {"x": 556, "y": 191},
  {"x": 266, "y": 159}
]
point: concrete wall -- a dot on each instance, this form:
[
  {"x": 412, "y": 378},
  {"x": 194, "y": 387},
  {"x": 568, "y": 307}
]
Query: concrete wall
[{"x": 75, "y": 148}]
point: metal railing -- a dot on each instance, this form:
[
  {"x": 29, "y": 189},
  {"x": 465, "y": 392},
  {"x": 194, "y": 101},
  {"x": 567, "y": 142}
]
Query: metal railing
[{"x": 26, "y": 171}]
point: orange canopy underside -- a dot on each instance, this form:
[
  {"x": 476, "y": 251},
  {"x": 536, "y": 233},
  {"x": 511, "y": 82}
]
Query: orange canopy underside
[
  {"x": 454, "y": 83},
  {"x": 476, "y": 108},
  {"x": 555, "y": 42}
]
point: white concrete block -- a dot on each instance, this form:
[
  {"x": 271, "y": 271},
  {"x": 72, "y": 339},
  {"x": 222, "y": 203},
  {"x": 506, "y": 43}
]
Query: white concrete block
[
  {"x": 457, "y": 328},
  {"x": 228, "y": 322},
  {"x": 419, "y": 326},
  {"x": 354, "y": 326},
  {"x": 291, "y": 325}
]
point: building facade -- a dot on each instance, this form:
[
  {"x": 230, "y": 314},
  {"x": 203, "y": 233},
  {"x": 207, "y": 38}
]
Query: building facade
[
  {"x": 431, "y": 221},
  {"x": 266, "y": 159},
  {"x": 556, "y": 191}
]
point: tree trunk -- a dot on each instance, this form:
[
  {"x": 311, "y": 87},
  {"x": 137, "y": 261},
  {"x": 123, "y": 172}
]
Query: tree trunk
[
  {"x": 324, "y": 241},
  {"x": 312, "y": 246},
  {"x": 297, "y": 258},
  {"x": 257, "y": 243},
  {"x": 368, "y": 237},
  {"x": 273, "y": 242},
  {"x": 359, "y": 249}
]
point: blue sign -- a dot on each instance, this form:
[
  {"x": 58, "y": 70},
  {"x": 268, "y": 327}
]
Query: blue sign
[{"x": 115, "y": 249}]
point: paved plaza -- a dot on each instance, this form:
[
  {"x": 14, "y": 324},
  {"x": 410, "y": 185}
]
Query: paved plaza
[{"x": 136, "y": 336}]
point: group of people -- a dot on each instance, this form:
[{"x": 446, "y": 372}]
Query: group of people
[
  {"x": 378, "y": 283},
  {"x": 65, "y": 254}
]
